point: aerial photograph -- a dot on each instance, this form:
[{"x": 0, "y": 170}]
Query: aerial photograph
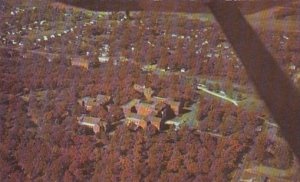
[{"x": 150, "y": 90}]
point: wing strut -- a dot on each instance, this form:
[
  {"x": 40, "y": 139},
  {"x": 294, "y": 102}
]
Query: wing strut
[{"x": 273, "y": 85}]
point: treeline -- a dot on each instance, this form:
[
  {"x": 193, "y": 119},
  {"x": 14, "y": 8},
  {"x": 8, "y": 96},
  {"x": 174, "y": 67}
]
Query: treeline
[
  {"x": 56, "y": 148},
  {"x": 64, "y": 151}
]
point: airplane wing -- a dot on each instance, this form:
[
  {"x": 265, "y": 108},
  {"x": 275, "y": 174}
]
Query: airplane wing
[{"x": 189, "y": 6}]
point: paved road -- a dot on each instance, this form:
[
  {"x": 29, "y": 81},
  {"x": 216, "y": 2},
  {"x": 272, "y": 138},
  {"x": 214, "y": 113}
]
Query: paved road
[{"x": 224, "y": 97}]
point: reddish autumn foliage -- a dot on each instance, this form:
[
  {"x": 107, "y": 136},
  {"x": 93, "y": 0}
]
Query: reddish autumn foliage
[{"x": 40, "y": 139}]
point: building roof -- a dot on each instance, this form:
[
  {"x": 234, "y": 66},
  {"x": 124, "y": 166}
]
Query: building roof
[
  {"x": 102, "y": 99},
  {"x": 160, "y": 106},
  {"x": 134, "y": 116},
  {"x": 91, "y": 102},
  {"x": 159, "y": 99},
  {"x": 145, "y": 109},
  {"x": 147, "y": 105},
  {"x": 154, "y": 119},
  {"x": 88, "y": 121},
  {"x": 137, "y": 119},
  {"x": 173, "y": 103},
  {"x": 79, "y": 60},
  {"x": 103, "y": 59},
  {"x": 92, "y": 122},
  {"x": 99, "y": 100},
  {"x": 131, "y": 103},
  {"x": 88, "y": 101}
]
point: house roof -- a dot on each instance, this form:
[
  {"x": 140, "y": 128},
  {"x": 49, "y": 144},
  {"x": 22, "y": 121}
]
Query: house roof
[
  {"x": 39, "y": 95},
  {"x": 88, "y": 101},
  {"x": 103, "y": 59},
  {"x": 99, "y": 100},
  {"x": 91, "y": 102},
  {"x": 79, "y": 60}
]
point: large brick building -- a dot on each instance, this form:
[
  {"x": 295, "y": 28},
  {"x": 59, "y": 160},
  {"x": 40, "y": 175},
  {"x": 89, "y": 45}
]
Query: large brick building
[
  {"x": 145, "y": 109},
  {"x": 155, "y": 110},
  {"x": 176, "y": 106}
]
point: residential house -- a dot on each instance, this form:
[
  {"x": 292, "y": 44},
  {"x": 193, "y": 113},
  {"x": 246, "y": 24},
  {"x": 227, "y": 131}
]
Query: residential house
[
  {"x": 81, "y": 62},
  {"x": 103, "y": 59},
  {"x": 88, "y": 103},
  {"x": 123, "y": 59}
]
